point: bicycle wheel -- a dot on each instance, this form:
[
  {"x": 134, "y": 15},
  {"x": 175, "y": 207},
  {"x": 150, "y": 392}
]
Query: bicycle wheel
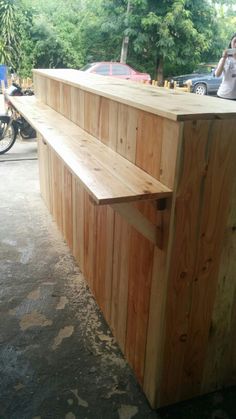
[{"x": 8, "y": 134}]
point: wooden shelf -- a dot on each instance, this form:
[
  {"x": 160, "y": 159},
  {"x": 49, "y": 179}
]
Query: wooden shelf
[{"x": 108, "y": 177}]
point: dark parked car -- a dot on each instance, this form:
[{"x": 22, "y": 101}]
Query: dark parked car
[
  {"x": 203, "y": 82},
  {"x": 114, "y": 69}
]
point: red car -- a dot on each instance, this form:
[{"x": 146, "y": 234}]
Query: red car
[{"x": 123, "y": 71}]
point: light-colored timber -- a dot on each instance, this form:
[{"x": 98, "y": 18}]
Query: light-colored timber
[
  {"x": 108, "y": 177},
  {"x": 171, "y": 104},
  {"x": 162, "y": 270}
]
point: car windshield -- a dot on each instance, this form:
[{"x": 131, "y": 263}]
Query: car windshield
[
  {"x": 86, "y": 67},
  {"x": 205, "y": 69}
]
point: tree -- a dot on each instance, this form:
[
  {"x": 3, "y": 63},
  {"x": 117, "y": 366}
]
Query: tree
[
  {"x": 179, "y": 32},
  {"x": 9, "y": 19}
]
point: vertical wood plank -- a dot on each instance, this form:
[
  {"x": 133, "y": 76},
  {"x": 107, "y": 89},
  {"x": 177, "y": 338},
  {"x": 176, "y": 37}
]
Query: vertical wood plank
[
  {"x": 216, "y": 199},
  {"x": 220, "y": 364},
  {"x": 170, "y": 142},
  {"x": 127, "y": 131},
  {"x": 140, "y": 272},
  {"x": 56, "y": 173},
  {"x": 103, "y": 260},
  {"x": 67, "y": 207},
  {"x": 78, "y": 223},
  {"x": 107, "y": 130},
  {"x": 89, "y": 239},
  {"x": 149, "y": 143},
  {"x": 65, "y": 100},
  {"x": 153, "y": 356},
  {"x": 184, "y": 234},
  {"x": 91, "y": 113},
  {"x": 53, "y": 94},
  {"x": 120, "y": 280},
  {"x": 77, "y": 106},
  {"x": 40, "y": 87},
  {"x": 202, "y": 200}
]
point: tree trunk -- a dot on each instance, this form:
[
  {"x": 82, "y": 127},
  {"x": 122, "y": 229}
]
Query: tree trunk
[
  {"x": 125, "y": 43},
  {"x": 160, "y": 66},
  {"x": 124, "y": 50}
]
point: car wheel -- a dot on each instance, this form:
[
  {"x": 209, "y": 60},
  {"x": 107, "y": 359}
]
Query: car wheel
[{"x": 200, "y": 89}]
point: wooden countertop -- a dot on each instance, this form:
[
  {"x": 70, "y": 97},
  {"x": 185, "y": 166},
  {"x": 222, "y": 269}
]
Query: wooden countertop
[
  {"x": 108, "y": 177},
  {"x": 169, "y": 103}
]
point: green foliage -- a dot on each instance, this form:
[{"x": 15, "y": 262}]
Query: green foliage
[
  {"x": 9, "y": 13},
  {"x": 174, "y": 36}
]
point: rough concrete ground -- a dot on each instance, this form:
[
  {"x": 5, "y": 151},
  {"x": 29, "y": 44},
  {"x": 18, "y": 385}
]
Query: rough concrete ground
[{"x": 58, "y": 358}]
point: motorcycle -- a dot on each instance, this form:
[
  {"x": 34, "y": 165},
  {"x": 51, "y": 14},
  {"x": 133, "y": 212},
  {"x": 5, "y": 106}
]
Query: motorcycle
[{"x": 12, "y": 123}]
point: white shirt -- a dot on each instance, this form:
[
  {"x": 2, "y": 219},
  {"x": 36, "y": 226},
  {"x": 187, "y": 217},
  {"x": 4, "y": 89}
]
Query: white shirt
[{"x": 227, "y": 89}]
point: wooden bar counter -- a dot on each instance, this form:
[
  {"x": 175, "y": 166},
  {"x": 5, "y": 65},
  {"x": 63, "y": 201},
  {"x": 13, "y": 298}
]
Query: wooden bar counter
[{"x": 142, "y": 183}]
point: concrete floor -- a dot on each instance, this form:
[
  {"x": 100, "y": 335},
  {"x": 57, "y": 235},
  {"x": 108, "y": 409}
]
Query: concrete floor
[{"x": 58, "y": 359}]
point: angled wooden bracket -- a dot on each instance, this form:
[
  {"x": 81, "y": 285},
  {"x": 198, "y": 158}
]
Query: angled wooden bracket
[{"x": 134, "y": 217}]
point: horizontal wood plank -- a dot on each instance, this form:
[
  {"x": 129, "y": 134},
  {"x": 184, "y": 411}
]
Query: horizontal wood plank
[
  {"x": 107, "y": 176},
  {"x": 168, "y": 103}
]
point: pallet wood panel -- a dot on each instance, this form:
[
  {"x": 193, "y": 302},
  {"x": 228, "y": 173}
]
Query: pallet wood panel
[
  {"x": 78, "y": 222},
  {"x": 53, "y": 94},
  {"x": 119, "y": 297},
  {"x": 194, "y": 260},
  {"x": 127, "y": 132},
  {"x": 171, "y": 304},
  {"x": 77, "y": 107},
  {"x": 220, "y": 365},
  {"x": 89, "y": 240},
  {"x": 44, "y": 171},
  {"x": 216, "y": 200},
  {"x": 56, "y": 175},
  {"x": 170, "y": 104},
  {"x": 155, "y": 329},
  {"x": 108, "y": 177},
  {"x": 149, "y": 143},
  {"x": 171, "y": 136},
  {"x": 103, "y": 261},
  {"x": 67, "y": 206},
  {"x": 140, "y": 258}
]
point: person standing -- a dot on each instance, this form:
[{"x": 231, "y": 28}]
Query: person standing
[{"x": 227, "y": 67}]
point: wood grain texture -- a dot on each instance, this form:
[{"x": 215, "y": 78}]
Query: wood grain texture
[
  {"x": 185, "y": 231},
  {"x": 40, "y": 87},
  {"x": 78, "y": 222},
  {"x": 202, "y": 199},
  {"x": 172, "y": 309},
  {"x": 140, "y": 272},
  {"x": 220, "y": 363},
  {"x": 91, "y": 113},
  {"x": 149, "y": 143},
  {"x": 56, "y": 175},
  {"x": 53, "y": 94},
  {"x": 65, "y": 100},
  {"x": 127, "y": 132},
  {"x": 107, "y": 176},
  {"x": 171, "y": 135},
  {"x": 89, "y": 241},
  {"x": 77, "y": 106},
  {"x": 67, "y": 207},
  {"x": 103, "y": 260},
  {"x": 155, "y": 330},
  {"x": 167, "y": 103},
  {"x": 216, "y": 192},
  {"x": 120, "y": 281},
  {"x": 44, "y": 171}
]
